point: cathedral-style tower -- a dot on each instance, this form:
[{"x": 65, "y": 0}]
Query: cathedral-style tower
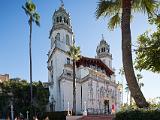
[
  {"x": 103, "y": 52},
  {"x": 62, "y": 29},
  {"x": 61, "y": 37}
]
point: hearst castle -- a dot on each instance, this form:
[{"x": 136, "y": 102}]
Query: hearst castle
[{"x": 95, "y": 77}]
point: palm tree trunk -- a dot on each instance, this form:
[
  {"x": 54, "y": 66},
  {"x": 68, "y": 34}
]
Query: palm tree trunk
[
  {"x": 30, "y": 57},
  {"x": 127, "y": 56},
  {"x": 74, "y": 88}
]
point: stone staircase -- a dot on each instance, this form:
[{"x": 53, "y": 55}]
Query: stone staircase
[{"x": 97, "y": 117}]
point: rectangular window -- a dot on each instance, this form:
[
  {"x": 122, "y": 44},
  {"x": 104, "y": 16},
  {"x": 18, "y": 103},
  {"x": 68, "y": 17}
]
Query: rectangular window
[
  {"x": 110, "y": 64},
  {"x": 67, "y": 40},
  {"x": 68, "y": 60},
  {"x": 52, "y": 77},
  {"x": 51, "y": 62}
]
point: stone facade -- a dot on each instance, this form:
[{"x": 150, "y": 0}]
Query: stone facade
[{"x": 95, "y": 78}]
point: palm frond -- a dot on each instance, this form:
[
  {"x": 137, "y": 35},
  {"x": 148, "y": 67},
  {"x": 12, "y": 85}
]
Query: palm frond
[
  {"x": 30, "y": 9},
  {"x": 114, "y": 21},
  {"x": 74, "y": 52},
  {"x": 26, "y": 11},
  {"x": 30, "y": 6},
  {"x": 108, "y": 8},
  {"x": 77, "y": 53},
  {"x": 36, "y": 18},
  {"x": 145, "y": 6},
  {"x": 37, "y": 23}
]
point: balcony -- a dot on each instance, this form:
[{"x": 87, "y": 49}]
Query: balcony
[
  {"x": 66, "y": 74},
  {"x": 68, "y": 65}
]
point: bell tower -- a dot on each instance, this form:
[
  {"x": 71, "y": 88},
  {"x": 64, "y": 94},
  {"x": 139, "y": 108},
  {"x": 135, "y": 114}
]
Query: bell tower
[
  {"x": 61, "y": 29},
  {"x": 61, "y": 38},
  {"x": 103, "y": 52}
]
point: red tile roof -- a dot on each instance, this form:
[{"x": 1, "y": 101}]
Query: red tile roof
[{"x": 86, "y": 61}]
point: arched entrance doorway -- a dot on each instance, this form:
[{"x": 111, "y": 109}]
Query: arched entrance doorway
[{"x": 106, "y": 106}]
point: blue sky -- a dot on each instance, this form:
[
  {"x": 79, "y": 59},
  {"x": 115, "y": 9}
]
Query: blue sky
[{"x": 14, "y": 35}]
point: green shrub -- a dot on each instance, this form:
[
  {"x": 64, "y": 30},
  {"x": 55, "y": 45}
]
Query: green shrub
[
  {"x": 138, "y": 115},
  {"x": 55, "y": 115}
]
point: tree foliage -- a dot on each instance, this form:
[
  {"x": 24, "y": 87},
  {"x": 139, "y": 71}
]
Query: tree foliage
[
  {"x": 113, "y": 9},
  {"x": 74, "y": 52},
  {"x": 148, "y": 51},
  {"x": 30, "y": 10},
  {"x": 18, "y": 92}
]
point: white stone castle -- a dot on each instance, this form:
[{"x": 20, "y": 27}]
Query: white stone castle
[{"x": 95, "y": 78}]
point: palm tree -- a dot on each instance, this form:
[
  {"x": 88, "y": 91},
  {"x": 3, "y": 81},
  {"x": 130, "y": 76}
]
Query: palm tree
[
  {"x": 74, "y": 53},
  {"x": 120, "y": 13},
  {"x": 30, "y": 10},
  {"x": 139, "y": 78}
]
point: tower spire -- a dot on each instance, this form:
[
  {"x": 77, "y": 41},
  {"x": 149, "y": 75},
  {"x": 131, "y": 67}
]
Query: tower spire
[
  {"x": 102, "y": 37},
  {"x": 62, "y": 3}
]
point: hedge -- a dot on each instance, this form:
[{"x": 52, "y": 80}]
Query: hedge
[
  {"x": 55, "y": 115},
  {"x": 138, "y": 115}
]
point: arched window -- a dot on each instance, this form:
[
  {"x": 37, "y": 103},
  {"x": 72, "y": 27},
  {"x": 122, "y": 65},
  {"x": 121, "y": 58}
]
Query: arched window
[
  {"x": 101, "y": 49},
  {"x": 60, "y": 18},
  {"x": 67, "y": 40},
  {"x": 64, "y": 20},
  {"x": 57, "y": 36},
  {"x": 67, "y": 21},
  {"x": 104, "y": 49},
  {"x": 57, "y": 19}
]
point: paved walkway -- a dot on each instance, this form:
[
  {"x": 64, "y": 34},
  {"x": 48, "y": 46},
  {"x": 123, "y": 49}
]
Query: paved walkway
[{"x": 96, "y": 117}]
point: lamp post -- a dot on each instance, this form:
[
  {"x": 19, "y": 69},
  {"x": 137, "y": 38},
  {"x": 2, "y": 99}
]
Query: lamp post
[
  {"x": 27, "y": 114},
  {"x": 85, "y": 109},
  {"x": 68, "y": 110}
]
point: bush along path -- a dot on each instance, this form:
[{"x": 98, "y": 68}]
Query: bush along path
[{"x": 138, "y": 115}]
